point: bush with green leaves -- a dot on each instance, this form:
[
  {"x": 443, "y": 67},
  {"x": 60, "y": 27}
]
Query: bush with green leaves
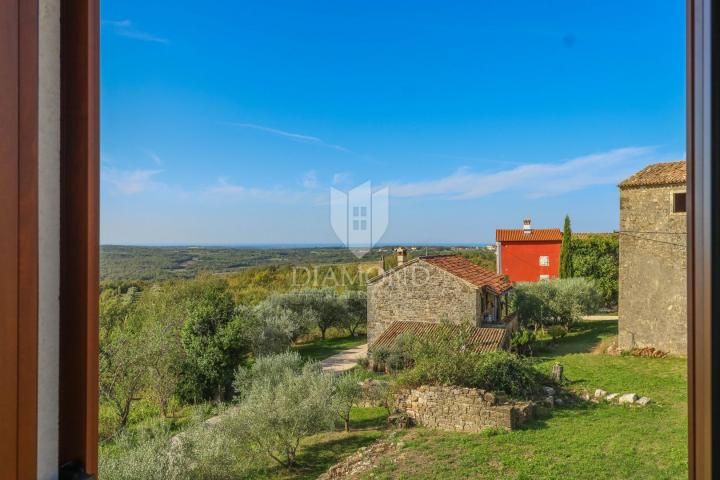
[
  {"x": 281, "y": 402},
  {"x": 448, "y": 358},
  {"x": 394, "y": 358},
  {"x": 561, "y": 301},
  {"x": 197, "y": 453},
  {"x": 556, "y": 332},
  {"x": 523, "y": 341},
  {"x": 378, "y": 356},
  {"x": 212, "y": 340}
]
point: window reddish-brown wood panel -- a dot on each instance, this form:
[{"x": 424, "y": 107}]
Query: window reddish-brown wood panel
[
  {"x": 703, "y": 121},
  {"x": 79, "y": 234},
  {"x": 18, "y": 241}
]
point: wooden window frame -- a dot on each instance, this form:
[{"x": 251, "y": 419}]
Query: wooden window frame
[
  {"x": 19, "y": 238},
  {"x": 79, "y": 249},
  {"x": 703, "y": 149},
  {"x": 675, "y": 207},
  {"x": 79, "y": 235}
]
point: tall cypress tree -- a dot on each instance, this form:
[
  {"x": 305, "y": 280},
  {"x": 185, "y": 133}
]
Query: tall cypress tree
[{"x": 566, "y": 269}]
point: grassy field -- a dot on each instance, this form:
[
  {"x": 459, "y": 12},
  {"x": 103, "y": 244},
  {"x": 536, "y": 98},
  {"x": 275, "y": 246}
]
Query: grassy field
[{"x": 588, "y": 441}]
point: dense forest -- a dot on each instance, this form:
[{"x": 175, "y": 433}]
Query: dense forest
[{"x": 161, "y": 263}]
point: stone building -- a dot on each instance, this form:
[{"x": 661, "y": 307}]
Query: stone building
[
  {"x": 435, "y": 289},
  {"x": 653, "y": 259}
]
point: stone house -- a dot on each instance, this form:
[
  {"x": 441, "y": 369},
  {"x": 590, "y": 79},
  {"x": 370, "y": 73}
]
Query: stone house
[
  {"x": 433, "y": 289},
  {"x": 653, "y": 259}
]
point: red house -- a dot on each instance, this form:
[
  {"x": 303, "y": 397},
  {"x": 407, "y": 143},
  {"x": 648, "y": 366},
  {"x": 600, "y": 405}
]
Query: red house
[{"x": 527, "y": 254}]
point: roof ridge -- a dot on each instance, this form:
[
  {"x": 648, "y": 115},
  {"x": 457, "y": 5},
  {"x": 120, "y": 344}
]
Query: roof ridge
[{"x": 658, "y": 174}]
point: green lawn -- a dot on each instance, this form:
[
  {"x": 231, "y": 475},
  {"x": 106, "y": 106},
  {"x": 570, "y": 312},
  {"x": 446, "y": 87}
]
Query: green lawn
[
  {"x": 321, "y": 349},
  {"x": 588, "y": 441}
]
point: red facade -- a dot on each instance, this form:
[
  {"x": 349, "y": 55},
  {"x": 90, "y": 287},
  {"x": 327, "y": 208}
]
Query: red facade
[
  {"x": 529, "y": 255},
  {"x": 521, "y": 261}
]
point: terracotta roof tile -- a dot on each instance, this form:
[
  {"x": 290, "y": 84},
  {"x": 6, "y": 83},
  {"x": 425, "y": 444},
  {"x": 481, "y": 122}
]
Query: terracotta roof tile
[
  {"x": 535, "y": 235},
  {"x": 658, "y": 174},
  {"x": 463, "y": 268},
  {"x": 483, "y": 339}
]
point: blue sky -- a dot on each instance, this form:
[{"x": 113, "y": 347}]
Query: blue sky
[{"x": 229, "y": 125}]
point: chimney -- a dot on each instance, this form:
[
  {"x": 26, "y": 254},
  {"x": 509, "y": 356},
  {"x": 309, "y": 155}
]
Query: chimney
[
  {"x": 401, "y": 255},
  {"x": 527, "y": 228}
]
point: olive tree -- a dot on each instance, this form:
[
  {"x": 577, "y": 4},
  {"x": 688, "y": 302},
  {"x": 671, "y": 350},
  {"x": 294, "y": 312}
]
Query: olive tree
[
  {"x": 561, "y": 301},
  {"x": 319, "y": 307},
  {"x": 347, "y": 392},
  {"x": 123, "y": 358},
  {"x": 355, "y": 314},
  {"x": 281, "y": 403}
]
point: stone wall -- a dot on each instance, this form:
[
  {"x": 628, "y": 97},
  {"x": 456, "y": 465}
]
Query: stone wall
[
  {"x": 423, "y": 293},
  {"x": 462, "y": 409},
  {"x": 653, "y": 270}
]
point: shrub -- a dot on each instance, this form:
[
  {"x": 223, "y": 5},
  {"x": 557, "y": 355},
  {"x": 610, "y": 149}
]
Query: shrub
[
  {"x": 265, "y": 370},
  {"x": 523, "y": 341},
  {"x": 197, "y": 453},
  {"x": 152, "y": 459},
  {"x": 448, "y": 359},
  {"x": 280, "y": 406},
  {"x": 378, "y": 356},
  {"x": 556, "y": 332}
]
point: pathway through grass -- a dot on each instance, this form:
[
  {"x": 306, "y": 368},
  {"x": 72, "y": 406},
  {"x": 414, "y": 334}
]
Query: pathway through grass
[{"x": 321, "y": 349}]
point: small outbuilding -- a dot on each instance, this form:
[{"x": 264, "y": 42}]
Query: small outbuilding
[{"x": 437, "y": 289}]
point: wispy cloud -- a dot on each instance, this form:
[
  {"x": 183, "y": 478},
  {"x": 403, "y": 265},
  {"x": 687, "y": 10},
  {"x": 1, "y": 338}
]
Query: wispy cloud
[
  {"x": 310, "y": 179},
  {"x": 130, "y": 182},
  {"x": 533, "y": 180},
  {"x": 341, "y": 178},
  {"x": 154, "y": 157},
  {"x": 226, "y": 189},
  {"x": 125, "y": 28},
  {"x": 295, "y": 137}
]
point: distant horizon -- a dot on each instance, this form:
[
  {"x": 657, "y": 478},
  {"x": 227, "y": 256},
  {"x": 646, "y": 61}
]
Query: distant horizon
[{"x": 296, "y": 245}]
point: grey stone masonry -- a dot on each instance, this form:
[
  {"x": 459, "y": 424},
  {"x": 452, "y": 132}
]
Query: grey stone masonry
[
  {"x": 424, "y": 293},
  {"x": 653, "y": 262},
  {"x": 461, "y": 409}
]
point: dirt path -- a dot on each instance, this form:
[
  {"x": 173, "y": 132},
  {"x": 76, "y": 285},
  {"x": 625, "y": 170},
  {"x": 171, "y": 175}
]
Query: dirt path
[
  {"x": 600, "y": 317},
  {"x": 345, "y": 360}
]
